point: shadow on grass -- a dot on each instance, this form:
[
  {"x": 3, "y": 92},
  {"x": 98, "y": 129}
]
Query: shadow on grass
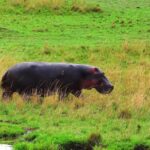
[
  {"x": 74, "y": 145},
  {"x": 71, "y": 145},
  {"x": 93, "y": 140},
  {"x": 141, "y": 147}
]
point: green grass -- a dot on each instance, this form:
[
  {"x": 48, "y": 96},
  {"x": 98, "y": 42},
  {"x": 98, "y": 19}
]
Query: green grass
[{"x": 116, "y": 40}]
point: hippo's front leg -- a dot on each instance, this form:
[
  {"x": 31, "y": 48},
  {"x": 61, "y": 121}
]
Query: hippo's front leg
[
  {"x": 62, "y": 95},
  {"x": 7, "y": 94},
  {"x": 77, "y": 93}
]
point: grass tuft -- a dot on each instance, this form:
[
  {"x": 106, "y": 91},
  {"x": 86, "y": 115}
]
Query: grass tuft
[
  {"x": 95, "y": 139},
  {"x": 77, "y": 103},
  {"x": 135, "y": 47},
  {"x": 125, "y": 114},
  {"x": 38, "y": 4},
  {"x": 84, "y": 6},
  {"x": 17, "y": 2}
]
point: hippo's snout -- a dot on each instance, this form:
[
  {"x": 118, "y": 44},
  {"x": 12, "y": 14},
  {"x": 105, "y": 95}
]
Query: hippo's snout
[
  {"x": 108, "y": 88},
  {"x": 104, "y": 86}
]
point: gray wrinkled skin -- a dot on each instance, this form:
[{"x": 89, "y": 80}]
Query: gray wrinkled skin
[{"x": 47, "y": 78}]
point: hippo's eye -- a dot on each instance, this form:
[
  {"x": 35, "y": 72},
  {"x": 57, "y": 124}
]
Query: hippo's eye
[
  {"x": 96, "y": 69},
  {"x": 102, "y": 74}
]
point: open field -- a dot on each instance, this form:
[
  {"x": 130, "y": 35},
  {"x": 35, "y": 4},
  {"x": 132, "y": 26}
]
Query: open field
[{"x": 115, "y": 38}]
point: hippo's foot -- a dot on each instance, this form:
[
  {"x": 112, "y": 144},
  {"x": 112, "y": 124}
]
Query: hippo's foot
[
  {"x": 7, "y": 95},
  {"x": 77, "y": 93}
]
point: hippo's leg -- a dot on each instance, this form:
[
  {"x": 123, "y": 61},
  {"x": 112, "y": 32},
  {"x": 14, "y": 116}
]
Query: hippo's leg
[
  {"x": 25, "y": 95},
  {"x": 42, "y": 94},
  {"x": 7, "y": 94},
  {"x": 62, "y": 95},
  {"x": 77, "y": 93}
]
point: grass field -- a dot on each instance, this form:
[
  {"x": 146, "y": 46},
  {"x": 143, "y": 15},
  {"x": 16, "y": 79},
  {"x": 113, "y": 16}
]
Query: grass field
[{"x": 113, "y": 35}]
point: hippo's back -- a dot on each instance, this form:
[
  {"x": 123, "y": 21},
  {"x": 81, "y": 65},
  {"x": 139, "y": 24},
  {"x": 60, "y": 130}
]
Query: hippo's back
[{"x": 37, "y": 74}]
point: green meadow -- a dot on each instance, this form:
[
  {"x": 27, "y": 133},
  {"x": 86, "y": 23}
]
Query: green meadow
[{"x": 112, "y": 35}]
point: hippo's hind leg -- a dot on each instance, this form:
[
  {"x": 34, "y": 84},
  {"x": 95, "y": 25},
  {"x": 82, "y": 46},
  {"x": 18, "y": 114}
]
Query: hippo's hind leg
[
  {"x": 25, "y": 94},
  {"x": 7, "y": 94}
]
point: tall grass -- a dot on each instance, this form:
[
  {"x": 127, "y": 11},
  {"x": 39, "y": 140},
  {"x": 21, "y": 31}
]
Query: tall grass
[
  {"x": 131, "y": 94},
  {"x": 131, "y": 84},
  {"x": 37, "y": 4},
  {"x": 75, "y": 5},
  {"x": 84, "y": 6}
]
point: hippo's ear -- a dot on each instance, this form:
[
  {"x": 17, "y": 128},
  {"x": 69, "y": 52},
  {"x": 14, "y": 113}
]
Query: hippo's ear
[
  {"x": 93, "y": 70},
  {"x": 90, "y": 71}
]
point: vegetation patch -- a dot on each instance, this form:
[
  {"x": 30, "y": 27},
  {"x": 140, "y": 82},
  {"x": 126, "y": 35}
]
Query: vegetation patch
[
  {"x": 8, "y": 131},
  {"x": 125, "y": 114},
  {"x": 84, "y": 6},
  {"x": 30, "y": 137},
  {"x": 55, "y": 5}
]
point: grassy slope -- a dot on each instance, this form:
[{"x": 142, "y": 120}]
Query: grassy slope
[{"x": 116, "y": 40}]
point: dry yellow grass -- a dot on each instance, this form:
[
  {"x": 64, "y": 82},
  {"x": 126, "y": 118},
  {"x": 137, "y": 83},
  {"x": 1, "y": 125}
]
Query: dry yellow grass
[
  {"x": 76, "y": 5},
  {"x": 17, "y": 2},
  {"x": 84, "y": 6},
  {"x": 79, "y": 5},
  {"x": 136, "y": 46},
  {"x": 131, "y": 91},
  {"x": 20, "y": 103},
  {"x": 5, "y": 63},
  {"x": 50, "y": 101},
  {"x": 37, "y": 4}
]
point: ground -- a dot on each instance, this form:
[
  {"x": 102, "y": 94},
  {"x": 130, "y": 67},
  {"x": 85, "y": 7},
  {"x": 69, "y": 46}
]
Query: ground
[{"x": 115, "y": 38}]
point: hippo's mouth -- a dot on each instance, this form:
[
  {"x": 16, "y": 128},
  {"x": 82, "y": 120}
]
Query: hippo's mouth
[{"x": 105, "y": 89}]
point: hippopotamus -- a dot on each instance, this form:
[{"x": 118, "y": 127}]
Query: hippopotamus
[{"x": 47, "y": 78}]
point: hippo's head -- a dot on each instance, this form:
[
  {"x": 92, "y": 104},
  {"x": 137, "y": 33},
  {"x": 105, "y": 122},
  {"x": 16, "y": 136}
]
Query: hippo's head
[{"x": 95, "y": 78}]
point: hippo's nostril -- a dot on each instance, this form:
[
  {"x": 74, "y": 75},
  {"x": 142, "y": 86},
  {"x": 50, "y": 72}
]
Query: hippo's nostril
[{"x": 112, "y": 87}]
